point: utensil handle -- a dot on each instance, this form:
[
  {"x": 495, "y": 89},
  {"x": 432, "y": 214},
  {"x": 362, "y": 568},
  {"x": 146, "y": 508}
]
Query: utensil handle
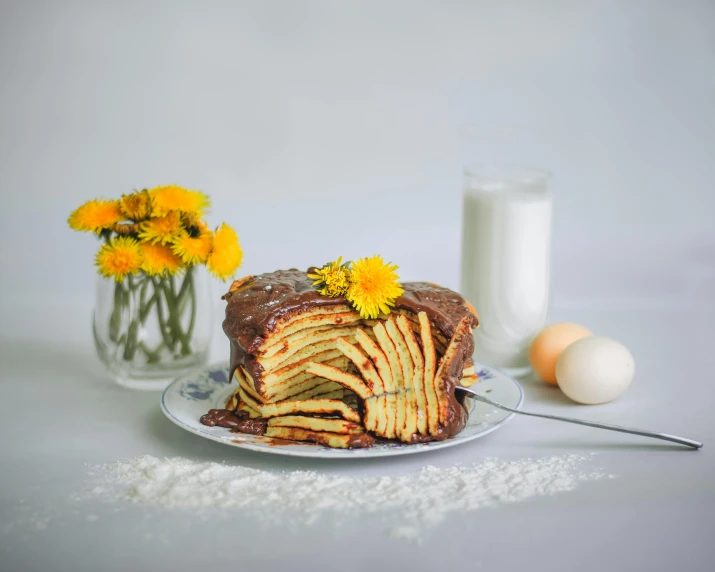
[{"x": 654, "y": 435}]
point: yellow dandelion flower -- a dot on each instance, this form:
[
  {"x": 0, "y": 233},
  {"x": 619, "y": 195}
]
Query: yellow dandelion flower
[
  {"x": 96, "y": 216},
  {"x": 174, "y": 198},
  {"x": 374, "y": 287},
  {"x": 161, "y": 230},
  {"x": 136, "y": 206},
  {"x": 192, "y": 249},
  {"x": 119, "y": 257},
  {"x": 226, "y": 255},
  {"x": 333, "y": 279},
  {"x": 159, "y": 259},
  {"x": 193, "y": 222},
  {"x": 196, "y": 227}
]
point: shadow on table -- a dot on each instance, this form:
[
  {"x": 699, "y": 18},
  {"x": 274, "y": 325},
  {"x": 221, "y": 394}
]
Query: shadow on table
[
  {"x": 594, "y": 445},
  {"x": 36, "y": 360},
  {"x": 537, "y": 392}
]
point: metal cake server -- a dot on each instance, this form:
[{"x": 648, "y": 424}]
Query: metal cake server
[{"x": 663, "y": 436}]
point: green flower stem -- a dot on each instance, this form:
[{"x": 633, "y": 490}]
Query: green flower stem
[
  {"x": 183, "y": 291},
  {"x": 163, "y": 324},
  {"x": 192, "y": 289},
  {"x": 130, "y": 347},
  {"x": 115, "y": 321},
  {"x": 172, "y": 287},
  {"x": 142, "y": 296},
  {"x": 174, "y": 317},
  {"x": 152, "y": 355},
  {"x": 133, "y": 306},
  {"x": 125, "y": 298},
  {"x": 148, "y": 306}
]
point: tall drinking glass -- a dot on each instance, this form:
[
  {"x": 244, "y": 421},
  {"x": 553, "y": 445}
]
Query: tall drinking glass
[{"x": 506, "y": 247}]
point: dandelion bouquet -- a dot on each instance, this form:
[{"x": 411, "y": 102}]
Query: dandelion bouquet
[{"x": 152, "y": 242}]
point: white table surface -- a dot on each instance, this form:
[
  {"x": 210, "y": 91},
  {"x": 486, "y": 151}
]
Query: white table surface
[{"x": 59, "y": 413}]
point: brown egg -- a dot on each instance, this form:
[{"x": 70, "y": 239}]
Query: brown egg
[{"x": 548, "y": 346}]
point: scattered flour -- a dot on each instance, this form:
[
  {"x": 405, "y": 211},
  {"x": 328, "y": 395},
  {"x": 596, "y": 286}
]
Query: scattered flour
[{"x": 408, "y": 503}]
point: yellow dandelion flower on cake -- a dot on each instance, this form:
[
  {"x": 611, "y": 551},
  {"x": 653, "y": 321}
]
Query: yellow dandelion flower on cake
[
  {"x": 192, "y": 250},
  {"x": 174, "y": 198},
  {"x": 136, "y": 206},
  {"x": 161, "y": 230},
  {"x": 374, "y": 287},
  {"x": 333, "y": 279},
  {"x": 159, "y": 259},
  {"x": 119, "y": 257},
  {"x": 226, "y": 255},
  {"x": 96, "y": 216}
]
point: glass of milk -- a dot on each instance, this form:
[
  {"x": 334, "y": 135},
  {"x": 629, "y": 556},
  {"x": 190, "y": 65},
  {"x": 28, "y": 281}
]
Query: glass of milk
[{"x": 506, "y": 244}]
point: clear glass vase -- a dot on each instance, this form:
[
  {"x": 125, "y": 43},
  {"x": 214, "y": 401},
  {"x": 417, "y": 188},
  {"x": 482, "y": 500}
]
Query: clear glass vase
[{"x": 148, "y": 330}]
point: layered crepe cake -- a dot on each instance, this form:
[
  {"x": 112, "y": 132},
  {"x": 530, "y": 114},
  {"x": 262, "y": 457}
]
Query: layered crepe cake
[{"x": 310, "y": 368}]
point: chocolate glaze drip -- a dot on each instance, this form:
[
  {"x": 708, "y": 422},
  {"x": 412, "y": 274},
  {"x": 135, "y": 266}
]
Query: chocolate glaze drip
[
  {"x": 223, "y": 418},
  {"x": 258, "y": 303},
  {"x": 237, "y": 421},
  {"x": 251, "y": 426},
  {"x": 361, "y": 440}
]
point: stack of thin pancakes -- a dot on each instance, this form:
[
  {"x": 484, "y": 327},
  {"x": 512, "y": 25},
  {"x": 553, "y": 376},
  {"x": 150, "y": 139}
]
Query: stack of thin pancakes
[{"x": 309, "y": 368}]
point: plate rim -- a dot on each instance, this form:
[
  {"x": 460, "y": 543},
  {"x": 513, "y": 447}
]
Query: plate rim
[{"x": 320, "y": 452}]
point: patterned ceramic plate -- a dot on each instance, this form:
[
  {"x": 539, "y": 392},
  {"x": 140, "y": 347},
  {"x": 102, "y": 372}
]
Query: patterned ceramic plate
[{"x": 189, "y": 397}]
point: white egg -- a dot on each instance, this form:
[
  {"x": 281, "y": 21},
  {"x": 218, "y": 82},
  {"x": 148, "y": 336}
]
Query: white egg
[{"x": 594, "y": 370}]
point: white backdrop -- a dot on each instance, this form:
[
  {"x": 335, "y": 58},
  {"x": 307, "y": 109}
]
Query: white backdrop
[{"x": 329, "y": 128}]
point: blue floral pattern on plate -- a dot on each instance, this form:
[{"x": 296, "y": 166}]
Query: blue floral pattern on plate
[
  {"x": 189, "y": 397},
  {"x": 204, "y": 384},
  {"x": 484, "y": 374}
]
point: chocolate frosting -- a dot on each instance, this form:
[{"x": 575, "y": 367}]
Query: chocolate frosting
[
  {"x": 256, "y": 304},
  {"x": 237, "y": 421}
]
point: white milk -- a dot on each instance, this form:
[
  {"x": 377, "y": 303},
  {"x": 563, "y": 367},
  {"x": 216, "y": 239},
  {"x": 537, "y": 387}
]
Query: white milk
[{"x": 506, "y": 243}]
